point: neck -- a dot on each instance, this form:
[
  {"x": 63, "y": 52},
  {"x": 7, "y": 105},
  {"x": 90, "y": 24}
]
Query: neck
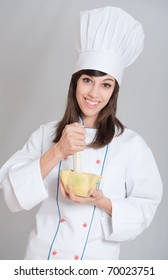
[{"x": 89, "y": 122}]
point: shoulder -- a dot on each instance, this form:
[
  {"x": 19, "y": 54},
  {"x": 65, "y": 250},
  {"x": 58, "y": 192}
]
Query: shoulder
[
  {"x": 49, "y": 127},
  {"x": 44, "y": 133},
  {"x": 48, "y": 130},
  {"x": 130, "y": 147},
  {"x": 131, "y": 141}
]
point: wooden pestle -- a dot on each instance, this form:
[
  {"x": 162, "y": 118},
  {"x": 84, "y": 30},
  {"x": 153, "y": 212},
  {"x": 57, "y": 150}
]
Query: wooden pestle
[
  {"x": 76, "y": 156},
  {"x": 77, "y": 162}
]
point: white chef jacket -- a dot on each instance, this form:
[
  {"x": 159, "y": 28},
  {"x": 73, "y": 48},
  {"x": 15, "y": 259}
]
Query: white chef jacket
[{"x": 67, "y": 230}]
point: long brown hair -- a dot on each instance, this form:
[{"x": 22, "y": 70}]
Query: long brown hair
[{"x": 106, "y": 122}]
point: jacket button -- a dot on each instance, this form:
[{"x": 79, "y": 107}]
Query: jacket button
[{"x": 85, "y": 225}]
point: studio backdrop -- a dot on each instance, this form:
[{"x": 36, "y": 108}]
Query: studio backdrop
[{"x": 37, "y": 57}]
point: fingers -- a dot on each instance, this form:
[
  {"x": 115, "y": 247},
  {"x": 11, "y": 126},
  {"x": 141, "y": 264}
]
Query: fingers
[
  {"x": 75, "y": 133},
  {"x": 72, "y": 139},
  {"x": 95, "y": 195},
  {"x": 75, "y": 128},
  {"x": 72, "y": 196},
  {"x": 75, "y": 198}
]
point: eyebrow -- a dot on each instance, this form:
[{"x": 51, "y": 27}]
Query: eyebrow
[{"x": 109, "y": 79}]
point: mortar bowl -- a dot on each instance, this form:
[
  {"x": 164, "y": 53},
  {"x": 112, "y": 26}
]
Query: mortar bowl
[{"x": 81, "y": 183}]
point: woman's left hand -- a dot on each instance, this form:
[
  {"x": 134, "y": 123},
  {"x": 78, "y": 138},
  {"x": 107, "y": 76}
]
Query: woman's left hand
[{"x": 96, "y": 198}]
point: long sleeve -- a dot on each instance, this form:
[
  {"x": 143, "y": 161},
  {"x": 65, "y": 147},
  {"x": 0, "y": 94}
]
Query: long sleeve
[
  {"x": 134, "y": 213},
  {"x": 20, "y": 177}
]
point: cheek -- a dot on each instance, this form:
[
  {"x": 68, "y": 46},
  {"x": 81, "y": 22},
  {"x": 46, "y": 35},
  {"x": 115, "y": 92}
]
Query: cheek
[
  {"x": 81, "y": 91},
  {"x": 106, "y": 97},
  {"x": 77, "y": 90},
  {"x": 78, "y": 94},
  {"x": 109, "y": 95}
]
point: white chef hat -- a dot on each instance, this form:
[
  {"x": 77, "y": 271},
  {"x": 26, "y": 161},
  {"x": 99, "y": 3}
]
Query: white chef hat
[{"x": 109, "y": 40}]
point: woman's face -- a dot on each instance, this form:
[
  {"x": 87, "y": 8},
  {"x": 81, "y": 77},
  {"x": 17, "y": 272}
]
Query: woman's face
[{"x": 93, "y": 94}]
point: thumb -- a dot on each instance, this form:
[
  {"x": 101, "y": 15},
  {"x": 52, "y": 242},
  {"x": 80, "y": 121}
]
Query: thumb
[{"x": 93, "y": 192}]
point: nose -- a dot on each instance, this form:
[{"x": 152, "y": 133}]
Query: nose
[{"x": 93, "y": 92}]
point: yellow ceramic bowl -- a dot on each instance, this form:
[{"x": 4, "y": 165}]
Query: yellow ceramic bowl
[{"x": 81, "y": 183}]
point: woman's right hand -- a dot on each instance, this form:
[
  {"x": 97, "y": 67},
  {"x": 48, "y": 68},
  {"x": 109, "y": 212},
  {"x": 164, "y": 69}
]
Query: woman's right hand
[{"x": 72, "y": 139}]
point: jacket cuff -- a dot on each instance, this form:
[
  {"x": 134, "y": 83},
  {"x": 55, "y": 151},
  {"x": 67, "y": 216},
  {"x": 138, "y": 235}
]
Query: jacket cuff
[
  {"x": 10, "y": 196},
  {"x": 123, "y": 226},
  {"x": 28, "y": 185}
]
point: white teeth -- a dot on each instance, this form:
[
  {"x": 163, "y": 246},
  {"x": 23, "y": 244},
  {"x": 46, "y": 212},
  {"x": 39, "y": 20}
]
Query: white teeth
[{"x": 91, "y": 102}]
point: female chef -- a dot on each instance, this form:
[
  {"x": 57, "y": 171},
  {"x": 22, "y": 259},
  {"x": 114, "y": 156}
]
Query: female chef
[{"x": 124, "y": 204}]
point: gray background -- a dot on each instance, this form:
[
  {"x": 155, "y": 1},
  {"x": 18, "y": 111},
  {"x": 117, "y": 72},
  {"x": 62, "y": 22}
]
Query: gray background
[{"x": 37, "y": 57}]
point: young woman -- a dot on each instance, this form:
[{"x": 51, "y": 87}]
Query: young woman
[
  {"x": 124, "y": 204},
  {"x": 92, "y": 99}
]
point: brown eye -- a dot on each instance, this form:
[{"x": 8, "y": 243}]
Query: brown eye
[
  {"x": 106, "y": 85},
  {"x": 86, "y": 80}
]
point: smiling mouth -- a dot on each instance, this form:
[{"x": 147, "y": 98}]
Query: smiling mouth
[{"x": 91, "y": 103}]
